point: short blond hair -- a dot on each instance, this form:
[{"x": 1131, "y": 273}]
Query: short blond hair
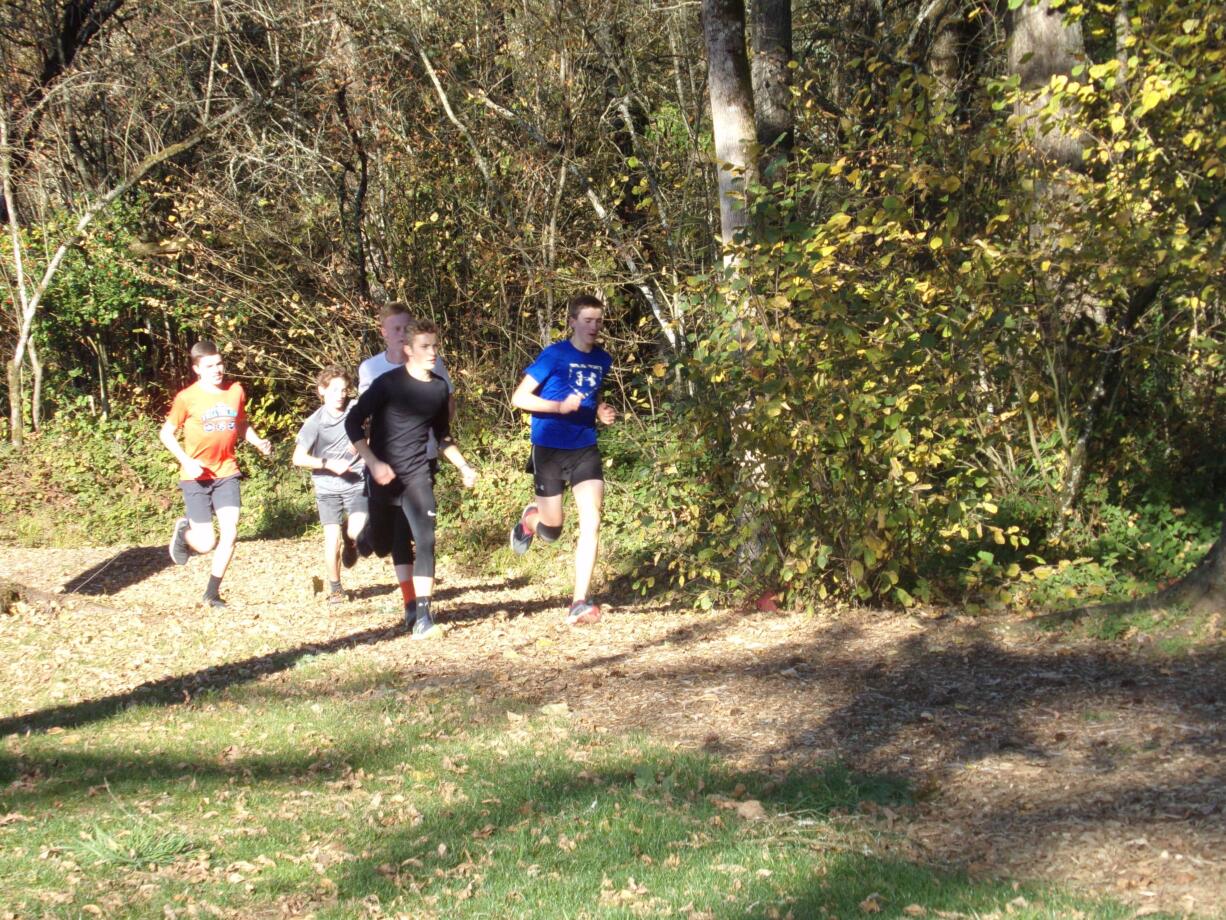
[{"x": 393, "y": 308}]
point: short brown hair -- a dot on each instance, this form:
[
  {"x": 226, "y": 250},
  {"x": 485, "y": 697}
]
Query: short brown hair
[
  {"x": 203, "y": 349},
  {"x": 580, "y": 303},
  {"x": 393, "y": 308},
  {"x": 330, "y": 373},
  {"x": 416, "y": 327}
]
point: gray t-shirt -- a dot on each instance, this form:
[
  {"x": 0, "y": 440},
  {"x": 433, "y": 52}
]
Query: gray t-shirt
[
  {"x": 376, "y": 366},
  {"x": 323, "y": 435}
]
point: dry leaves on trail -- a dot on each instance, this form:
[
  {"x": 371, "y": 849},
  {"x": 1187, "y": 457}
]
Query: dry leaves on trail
[{"x": 1092, "y": 763}]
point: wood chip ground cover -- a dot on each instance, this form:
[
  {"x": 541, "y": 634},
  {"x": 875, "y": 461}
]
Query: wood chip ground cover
[{"x": 1095, "y": 765}]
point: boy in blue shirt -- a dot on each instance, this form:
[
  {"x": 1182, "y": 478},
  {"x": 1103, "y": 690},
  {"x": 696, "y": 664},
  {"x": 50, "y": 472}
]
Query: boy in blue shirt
[{"x": 561, "y": 389}]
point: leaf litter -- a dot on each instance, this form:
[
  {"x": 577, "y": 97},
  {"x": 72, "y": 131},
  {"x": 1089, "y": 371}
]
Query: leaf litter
[{"x": 1030, "y": 756}]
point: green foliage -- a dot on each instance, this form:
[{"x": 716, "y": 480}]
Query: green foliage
[
  {"x": 891, "y": 384},
  {"x": 87, "y": 480},
  {"x": 108, "y": 318},
  {"x": 1154, "y": 539},
  {"x": 94, "y": 480}
]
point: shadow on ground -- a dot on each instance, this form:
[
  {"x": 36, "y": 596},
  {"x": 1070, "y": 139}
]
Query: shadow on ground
[
  {"x": 126, "y": 568},
  {"x": 174, "y": 691}
]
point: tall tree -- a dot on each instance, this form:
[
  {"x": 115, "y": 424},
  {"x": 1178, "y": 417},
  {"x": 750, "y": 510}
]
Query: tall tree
[
  {"x": 81, "y": 126},
  {"x": 1044, "y": 43},
  {"x": 730, "y": 87},
  {"x": 770, "y": 32}
]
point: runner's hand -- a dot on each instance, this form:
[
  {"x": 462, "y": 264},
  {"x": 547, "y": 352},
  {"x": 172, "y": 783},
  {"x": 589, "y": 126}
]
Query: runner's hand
[
  {"x": 339, "y": 467},
  {"x": 469, "y": 476},
  {"x": 570, "y": 404},
  {"x": 380, "y": 472},
  {"x": 263, "y": 445},
  {"x": 606, "y": 414},
  {"x": 193, "y": 469}
]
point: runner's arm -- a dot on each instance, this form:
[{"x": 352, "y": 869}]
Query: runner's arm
[
  {"x": 355, "y": 428},
  {"x": 263, "y": 445},
  {"x": 453, "y": 455},
  {"x": 525, "y": 398},
  {"x": 307, "y": 460},
  {"x": 167, "y": 434}
]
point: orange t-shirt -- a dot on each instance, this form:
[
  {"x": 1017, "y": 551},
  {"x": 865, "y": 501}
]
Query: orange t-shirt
[{"x": 212, "y": 421}]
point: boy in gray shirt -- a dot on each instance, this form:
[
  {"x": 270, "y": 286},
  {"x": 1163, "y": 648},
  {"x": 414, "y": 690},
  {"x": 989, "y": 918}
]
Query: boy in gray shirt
[{"x": 336, "y": 473}]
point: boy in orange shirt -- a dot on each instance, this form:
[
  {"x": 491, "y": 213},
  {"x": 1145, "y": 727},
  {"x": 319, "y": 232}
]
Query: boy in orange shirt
[{"x": 212, "y": 414}]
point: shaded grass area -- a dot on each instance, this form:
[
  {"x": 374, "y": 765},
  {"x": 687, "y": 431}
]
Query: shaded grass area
[
  {"x": 1172, "y": 630},
  {"x": 343, "y": 792}
]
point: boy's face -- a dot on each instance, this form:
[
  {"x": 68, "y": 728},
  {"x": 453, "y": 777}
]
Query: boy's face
[
  {"x": 393, "y": 330},
  {"x": 209, "y": 370},
  {"x": 422, "y": 350},
  {"x": 587, "y": 325},
  {"x": 333, "y": 395}
]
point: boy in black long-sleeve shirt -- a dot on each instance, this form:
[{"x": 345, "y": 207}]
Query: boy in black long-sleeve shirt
[{"x": 403, "y": 407}]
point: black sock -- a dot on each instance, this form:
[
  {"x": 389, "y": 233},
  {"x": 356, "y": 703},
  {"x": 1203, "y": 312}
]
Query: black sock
[
  {"x": 214, "y": 586},
  {"x": 334, "y": 587},
  {"x": 423, "y": 606}
]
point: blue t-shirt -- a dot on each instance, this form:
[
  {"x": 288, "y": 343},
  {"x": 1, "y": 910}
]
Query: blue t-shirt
[{"x": 562, "y": 369}]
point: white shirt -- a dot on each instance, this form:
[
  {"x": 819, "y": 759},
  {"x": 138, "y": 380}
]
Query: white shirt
[{"x": 378, "y": 365}]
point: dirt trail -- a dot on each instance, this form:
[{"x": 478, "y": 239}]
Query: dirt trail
[{"x": 1094, "y": 764}]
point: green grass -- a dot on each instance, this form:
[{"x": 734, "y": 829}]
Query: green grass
[{"x": 343, "y": 793}]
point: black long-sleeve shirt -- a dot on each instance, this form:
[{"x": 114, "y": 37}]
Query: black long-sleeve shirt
[{"x": 402, "y": 411}]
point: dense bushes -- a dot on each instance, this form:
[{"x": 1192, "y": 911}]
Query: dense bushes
[{"x": 94, "y": 480}]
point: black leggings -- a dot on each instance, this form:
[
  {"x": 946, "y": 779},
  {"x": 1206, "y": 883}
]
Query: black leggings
[{"x": 417, "y": 521}]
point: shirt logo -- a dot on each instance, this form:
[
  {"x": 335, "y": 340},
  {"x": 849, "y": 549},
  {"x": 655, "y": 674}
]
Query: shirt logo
[
  {"x": 220, "y": 418},
  {"x": 585, "y": 376}
]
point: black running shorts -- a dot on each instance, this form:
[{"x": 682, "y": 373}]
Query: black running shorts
[
  {"x": 203, "y": 496},
  {"x": 552, "y": 468}
]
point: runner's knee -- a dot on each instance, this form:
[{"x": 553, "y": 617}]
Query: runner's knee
[
  {"x": 202, "y": 539},
  {"x": 548, "y": 533}
]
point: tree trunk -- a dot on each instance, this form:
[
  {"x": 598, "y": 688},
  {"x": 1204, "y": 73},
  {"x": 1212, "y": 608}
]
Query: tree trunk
[
  {"x": 771, "y": 40},
  {"x": 732, "y": 123},
  {"x": 732, "y": 114},
  {"x": 1043, "y": 45},
  {"x": 353, "y": 203},
  {"x": 943, "y": 59},
  {"x": 36, "y": 388},
  {"x": 17, "y": 434}
]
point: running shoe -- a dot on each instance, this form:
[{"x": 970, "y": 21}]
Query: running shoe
[
  {"x": 212, "y": 600},
  {"x": 424, "y": 627},
  {"x": 410, "y": 614},
  {"x": 336, "y": 598},
  {"x": 521, "y": 535},
  {"x": 349, "y": 551},
  {"x": 180, "y": 552},
  {"x": 582, "y": 613}
]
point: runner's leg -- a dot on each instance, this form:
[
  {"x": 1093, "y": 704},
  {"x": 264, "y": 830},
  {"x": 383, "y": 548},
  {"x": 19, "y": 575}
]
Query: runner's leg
[{"x": 589, "y": 499}]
